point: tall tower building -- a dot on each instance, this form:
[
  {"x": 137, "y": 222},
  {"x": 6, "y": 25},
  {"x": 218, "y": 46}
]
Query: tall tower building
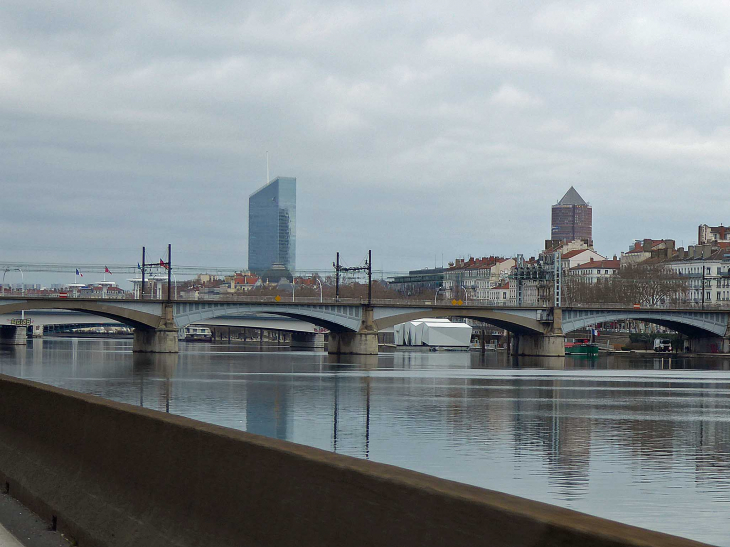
[
  {"x": 572, "y": 219},
  {"x": 272, "y": 226}
]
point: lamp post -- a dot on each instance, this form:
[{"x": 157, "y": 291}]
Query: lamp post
[
  {"x": 22, "y": 280},
  {"x": 436, "y": 295},
  {"x": 321, "y": 298},
  {"x": 703, "y": 283}
]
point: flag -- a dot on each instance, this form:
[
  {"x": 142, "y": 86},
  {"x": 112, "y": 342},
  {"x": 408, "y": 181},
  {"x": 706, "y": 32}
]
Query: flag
[
  {"x": 163, "y": 264},
  {"x": 138, "y": 266},
  {"x": 106, "y": 270},
  {"x": 79, "y": 273}
]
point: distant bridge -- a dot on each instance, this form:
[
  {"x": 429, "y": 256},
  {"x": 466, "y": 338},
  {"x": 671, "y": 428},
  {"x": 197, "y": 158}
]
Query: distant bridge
[
  {"x": 46, "y": 318},
  {"x": 354, "y": 325}
]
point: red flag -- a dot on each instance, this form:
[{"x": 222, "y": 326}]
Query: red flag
[
  {"x": 106, "y": 270},
  {"x": 163, "y": 264}
]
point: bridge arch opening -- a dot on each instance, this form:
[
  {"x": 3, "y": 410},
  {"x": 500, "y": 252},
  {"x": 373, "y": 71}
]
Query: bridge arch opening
[
  {"x": 687, "y": 327},
  {"x": 513, "y": 323},
  {"x": 130, "y": 317}
]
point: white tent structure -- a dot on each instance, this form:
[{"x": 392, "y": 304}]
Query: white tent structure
[{"x": 432, "y": 332}]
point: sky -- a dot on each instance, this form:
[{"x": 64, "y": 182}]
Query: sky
[{"x": 419, "y": 130}]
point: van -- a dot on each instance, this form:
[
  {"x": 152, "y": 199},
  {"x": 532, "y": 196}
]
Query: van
[{"x": 662, "y": 344}]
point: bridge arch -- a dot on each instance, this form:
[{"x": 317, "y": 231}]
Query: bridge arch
[
  {"x": 334, "y": 317},
  {"x": 517, "y": 322},
  {"x": 690, "y": 323},
  {"x": 148, "y": 316}
]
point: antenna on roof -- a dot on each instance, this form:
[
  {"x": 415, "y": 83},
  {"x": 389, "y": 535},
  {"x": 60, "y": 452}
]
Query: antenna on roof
[{"x": 267, "y": 167}]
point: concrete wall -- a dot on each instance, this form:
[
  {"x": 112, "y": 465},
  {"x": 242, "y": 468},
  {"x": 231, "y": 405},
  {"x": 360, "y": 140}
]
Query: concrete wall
[
  {"x": 13, "y": 336},
  {"x": 114, "y": 474},
  {"x": 709, "y": 344}
]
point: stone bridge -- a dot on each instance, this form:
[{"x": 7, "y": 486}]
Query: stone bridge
[{"x": 354, "y": 326}]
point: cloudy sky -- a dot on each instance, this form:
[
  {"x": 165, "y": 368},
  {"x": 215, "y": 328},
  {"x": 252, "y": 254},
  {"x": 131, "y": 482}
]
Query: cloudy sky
[{"x": 416, "y": 129}]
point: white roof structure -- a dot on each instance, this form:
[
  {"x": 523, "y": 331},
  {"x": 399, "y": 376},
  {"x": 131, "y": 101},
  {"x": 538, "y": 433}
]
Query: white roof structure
[{"x": 432, "y": 332}]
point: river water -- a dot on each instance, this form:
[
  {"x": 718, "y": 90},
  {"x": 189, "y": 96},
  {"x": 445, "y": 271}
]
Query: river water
[{"x": 644, "y": 440}]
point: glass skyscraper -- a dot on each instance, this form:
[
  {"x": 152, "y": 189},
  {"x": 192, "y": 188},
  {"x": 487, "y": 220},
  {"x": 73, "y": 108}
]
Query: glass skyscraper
[{"x": 272, "y": 226}]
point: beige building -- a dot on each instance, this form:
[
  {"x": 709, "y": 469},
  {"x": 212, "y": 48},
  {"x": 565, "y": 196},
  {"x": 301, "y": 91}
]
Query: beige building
[
  {"x": 471, "y": 279},
  {"x": 595, "y": 270},
  {"x": 574, "y": 258}
]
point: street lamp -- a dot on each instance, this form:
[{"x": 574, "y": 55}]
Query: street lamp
[
  {"x": 22, "y": 280},
  {"x": 321, "y": 299},
  {"x": 436, "y": 295}
]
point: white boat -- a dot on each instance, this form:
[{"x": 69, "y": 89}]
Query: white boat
[{"x": 193, "y": 333}]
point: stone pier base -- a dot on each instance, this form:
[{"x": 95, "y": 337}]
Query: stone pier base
[
  {"x": 155, "y": 341},
  {"x": 543, "y": 345},
  {"x": 307, "y": 340},
  {"x": 709, "y": 344},
  {"x": 353, "y": 343},
  {"x": 13, "y": 336}
]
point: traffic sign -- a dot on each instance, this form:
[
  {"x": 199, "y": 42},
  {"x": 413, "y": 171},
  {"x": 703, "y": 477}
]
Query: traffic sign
[{"x": 21, "y": 322}]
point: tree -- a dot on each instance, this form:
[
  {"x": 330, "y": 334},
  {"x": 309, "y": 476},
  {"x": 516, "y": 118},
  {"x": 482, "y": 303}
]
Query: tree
[{"x": 644, "y": 284}]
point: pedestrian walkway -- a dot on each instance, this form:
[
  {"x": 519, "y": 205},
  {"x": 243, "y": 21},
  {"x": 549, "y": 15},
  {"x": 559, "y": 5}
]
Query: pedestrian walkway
[
  {"x": 7, "y": 539},
  {"x": 20, "y": 527}
]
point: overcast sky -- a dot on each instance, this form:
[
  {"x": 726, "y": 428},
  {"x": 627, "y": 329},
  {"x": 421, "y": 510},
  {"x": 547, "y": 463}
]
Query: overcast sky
[{"x": 413, "y": 128}]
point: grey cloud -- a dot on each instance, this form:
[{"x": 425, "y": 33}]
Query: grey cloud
[{"x": 412, "y": 129}]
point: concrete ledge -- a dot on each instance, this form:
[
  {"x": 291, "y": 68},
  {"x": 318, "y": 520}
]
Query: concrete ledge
[{"x": 115, "y": 474}]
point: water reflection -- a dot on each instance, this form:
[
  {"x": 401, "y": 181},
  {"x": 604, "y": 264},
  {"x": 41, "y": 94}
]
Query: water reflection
[
  {"x": 160, "y": 369},
  {"x": 641, "y": 439}
]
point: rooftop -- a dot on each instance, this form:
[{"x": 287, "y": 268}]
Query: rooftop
[
  {"x": 572, "y": 197},
  {"x": 605, "y": 264}
]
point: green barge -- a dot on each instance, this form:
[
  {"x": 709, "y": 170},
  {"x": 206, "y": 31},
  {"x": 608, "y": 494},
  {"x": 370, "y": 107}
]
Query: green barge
[{"x": 581, "y": 347}]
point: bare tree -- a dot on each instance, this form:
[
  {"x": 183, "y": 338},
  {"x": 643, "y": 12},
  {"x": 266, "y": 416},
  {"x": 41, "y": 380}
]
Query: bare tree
[{"x": 643, "y": 284}]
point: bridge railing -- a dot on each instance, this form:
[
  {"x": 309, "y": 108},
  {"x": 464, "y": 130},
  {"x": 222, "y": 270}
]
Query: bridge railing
[{"x": 404, "y": 302}]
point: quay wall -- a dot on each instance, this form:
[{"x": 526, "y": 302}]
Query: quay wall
[{"x": 111, "y": 474}]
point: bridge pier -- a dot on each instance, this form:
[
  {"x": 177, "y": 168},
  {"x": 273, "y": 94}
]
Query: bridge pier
[
  {"x": 550, "y": 344},
  {"x": 353, "y": 343},
  {"x": 155, "y": 341},
  {"x": 542, "y": 345},
  {"x": 362, "y": 342},
  {"x": 13, "y": 336}
]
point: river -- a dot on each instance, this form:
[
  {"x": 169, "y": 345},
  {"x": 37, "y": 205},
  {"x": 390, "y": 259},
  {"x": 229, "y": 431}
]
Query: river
[{"x": 642, "y": 439}]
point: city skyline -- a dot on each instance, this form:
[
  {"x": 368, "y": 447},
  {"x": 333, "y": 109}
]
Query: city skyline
[{"x": 111, "y": 145}]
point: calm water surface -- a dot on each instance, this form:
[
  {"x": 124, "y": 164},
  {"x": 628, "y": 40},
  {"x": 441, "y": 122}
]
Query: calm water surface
[{"x": 641, "y": 440}]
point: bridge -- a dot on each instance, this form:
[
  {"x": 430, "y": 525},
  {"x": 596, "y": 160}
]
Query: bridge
[{"x": 354, "y": 325}]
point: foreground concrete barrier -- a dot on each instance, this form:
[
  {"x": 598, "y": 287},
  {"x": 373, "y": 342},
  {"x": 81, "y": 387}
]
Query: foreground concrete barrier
[{"x": 112, "y": 474}]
